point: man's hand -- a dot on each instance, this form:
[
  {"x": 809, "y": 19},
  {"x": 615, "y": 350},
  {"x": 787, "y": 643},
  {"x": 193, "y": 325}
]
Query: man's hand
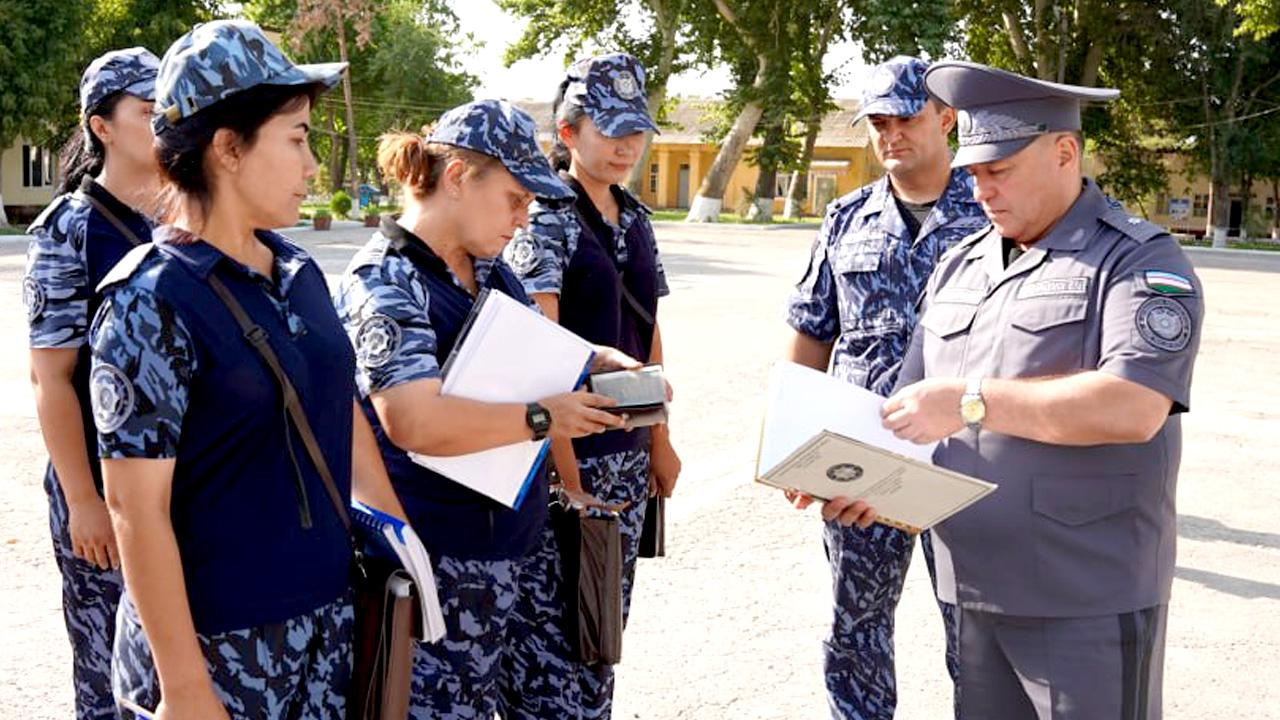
[
  {"x": 925, "y": 412},
  {"x": 846, "y": 511}
]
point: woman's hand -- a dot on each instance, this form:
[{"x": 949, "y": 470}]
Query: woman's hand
[
  {"x": 200, "y": 703},
  {"x": 578, "y": 414},
  {"x": 92, "y": 538},
  {"x": 610, "y": 358},
  {"x": 664, "y": 463}
]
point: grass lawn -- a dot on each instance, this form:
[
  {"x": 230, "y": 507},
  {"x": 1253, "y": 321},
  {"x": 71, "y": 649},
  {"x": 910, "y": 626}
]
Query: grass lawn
[
  {"x": 1233, "y": 244},
  {"x": 13, "y": 231},
  {"x": 732, "y": 218}
]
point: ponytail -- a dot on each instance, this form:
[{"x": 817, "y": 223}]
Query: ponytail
[
  {"x": 571, "y": 113},
  {"x": 417, "y": 164}
]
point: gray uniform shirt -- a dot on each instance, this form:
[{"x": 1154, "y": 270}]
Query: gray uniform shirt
[{"x": 1071, "y": 531}]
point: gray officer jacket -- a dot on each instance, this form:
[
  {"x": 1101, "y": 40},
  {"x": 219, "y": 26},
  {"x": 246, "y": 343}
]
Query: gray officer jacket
[{"x": 1072, "y": 531}]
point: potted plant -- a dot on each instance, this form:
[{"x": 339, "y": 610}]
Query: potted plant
[
  {"x": 372, "y": 215},
  {"x": 340, "y": 204},
  {"x": 321, "y": 219}
]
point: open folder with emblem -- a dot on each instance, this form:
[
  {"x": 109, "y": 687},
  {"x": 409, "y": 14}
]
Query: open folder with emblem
[
  {"x": 507, "y": 353},
  {"x": 823, "y": 437}
]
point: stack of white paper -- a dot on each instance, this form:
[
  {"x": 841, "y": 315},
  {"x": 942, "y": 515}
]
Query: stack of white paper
[{"x": 510, "y": 354}]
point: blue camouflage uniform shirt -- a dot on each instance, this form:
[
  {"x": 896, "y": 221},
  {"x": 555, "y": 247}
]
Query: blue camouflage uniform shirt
[
  {"x": 404, "y": 321},
  {"x": 541, "y": 253},
  {"x": 866, "y": 276}
]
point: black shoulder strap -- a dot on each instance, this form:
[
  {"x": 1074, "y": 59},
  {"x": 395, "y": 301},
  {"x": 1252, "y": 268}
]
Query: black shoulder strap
[
  {"x": 257, "y": 337},
  {"x": 124, "y": 230}
]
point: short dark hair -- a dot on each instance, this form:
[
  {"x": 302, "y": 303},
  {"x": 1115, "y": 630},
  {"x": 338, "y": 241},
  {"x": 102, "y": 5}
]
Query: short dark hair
[{"x": 181, "y": 150}]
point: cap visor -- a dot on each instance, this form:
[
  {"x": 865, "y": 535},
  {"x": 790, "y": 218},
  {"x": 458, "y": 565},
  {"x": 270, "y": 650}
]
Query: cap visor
[
  {"x": 620, "y": 122},
  {"x": 324, "y": 74},
  {"x": 144, "y": 89},
  {"x": 893, "y": 108},
  {"x": 989, "y": 152},
  {"x": 541, "y": 181}
]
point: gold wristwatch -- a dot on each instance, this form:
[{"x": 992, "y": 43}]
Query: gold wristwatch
[{"x": 973, "y": 409}]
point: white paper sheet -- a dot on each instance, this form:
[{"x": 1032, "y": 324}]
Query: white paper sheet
[
  {"x": 512, "y": 354},
  {"x": 803, "y": 402}
]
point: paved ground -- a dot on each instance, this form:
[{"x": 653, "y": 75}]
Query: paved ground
[{"x": 729, "y": 625}]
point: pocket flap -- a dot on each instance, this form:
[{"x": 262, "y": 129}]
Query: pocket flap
[
  {"x": 1081, "y": 499},
  {"x": 1038, "y": 314},
  {"x": 947, "y": 319},
  {"x": 859, "y": 254}
]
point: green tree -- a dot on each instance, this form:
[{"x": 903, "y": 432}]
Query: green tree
[
  {"x": 1258, "y": 18},
  {"x": 403, "y": 34},
  {"x": 659, "y": 39},
  {"x": 39, "y": 68}
]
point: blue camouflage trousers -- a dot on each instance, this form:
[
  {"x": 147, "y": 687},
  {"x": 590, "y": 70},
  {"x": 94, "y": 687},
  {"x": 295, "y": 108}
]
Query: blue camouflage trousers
[
  {"x": 546, "y": 681},
  {"x": 463, "y": 677},
  {"x": 539, "y": 678},
  {"x": 89, "y": 600},
  {"x": 299, "y": 669},
  {"x": 868, "y": 568}
]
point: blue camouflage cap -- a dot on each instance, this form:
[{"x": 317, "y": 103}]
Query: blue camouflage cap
[
  {"x": 895, "y": 87},
  {"x": 218, "y": 59},
  {"x": 998, "y": 113},
  {"x": 132, "y": 71},
  {"x": 504, "y": 131},
  {"x": 610, "y": 88}
]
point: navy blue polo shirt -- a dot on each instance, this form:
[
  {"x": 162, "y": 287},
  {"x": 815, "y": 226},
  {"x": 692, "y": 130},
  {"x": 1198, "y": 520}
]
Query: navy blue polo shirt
[
  {"x": 173, "y": 377},
  {"x": 403, "y": 310},
  {"x": 73, "y": 248}
]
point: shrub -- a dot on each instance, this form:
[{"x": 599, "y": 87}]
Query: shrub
[{"x": 340, "y": 204}]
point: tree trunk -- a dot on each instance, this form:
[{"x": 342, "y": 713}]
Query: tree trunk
[
  {"x": 710, "y": 198},
  {"x": 799, "y": 188},
  {"x": 667, "y": 23},
  {"x": 352, "y": 147},
  {"x": 335, "y": 155},
  {"x": 1246, "y": 195},
  {"x": 761, "y": 209},
  {"x": 1275, "y": 208},
  {"x": 4, "y": 218},
  {"x": 1219, "y": 200}
]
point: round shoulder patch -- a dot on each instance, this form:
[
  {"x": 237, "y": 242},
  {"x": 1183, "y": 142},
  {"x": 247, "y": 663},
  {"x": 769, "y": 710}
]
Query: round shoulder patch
[
  {"x": 625, "y": 85},
  {"x": 524, "y": 255},
  {"x": 33, "y": 297},
  {"x": 377, "y": 340},
  {"x": 1164, "y": 323},
  {"x": 113, "y": 398}
]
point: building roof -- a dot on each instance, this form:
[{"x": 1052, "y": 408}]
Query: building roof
[{"x": 688, "y": 120}]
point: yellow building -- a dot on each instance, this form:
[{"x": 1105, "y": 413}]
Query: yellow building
[
  {"x": 681, "y": 156},
  {"x": 28, "y": 175},
  {"x": 1184, "y": 206}
]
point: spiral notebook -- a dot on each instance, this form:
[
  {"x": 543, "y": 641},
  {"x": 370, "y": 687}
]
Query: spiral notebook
[{"x": 387, "y": 537}]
